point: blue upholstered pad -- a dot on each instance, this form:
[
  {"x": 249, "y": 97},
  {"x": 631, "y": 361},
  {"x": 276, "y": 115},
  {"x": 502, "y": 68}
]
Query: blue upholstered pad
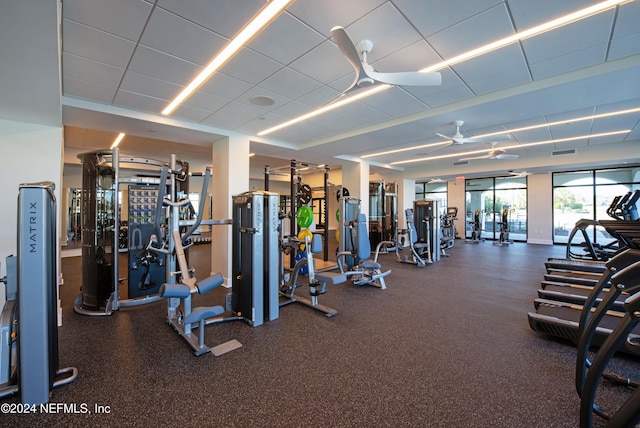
[
  {"x": 203, "y": 312},
  {"x": 169, "y": 291},
  {"x": 331, "y": 277},
  {"x": 209, "y": 283},
  {"x": 370, "y": 264}
]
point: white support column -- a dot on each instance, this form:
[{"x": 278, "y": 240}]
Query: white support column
[
  {"x": 355, "y": 177},
  {"x": 456, "y": 198},
  {"x": 406, "y": 196},
  {"x": 230, "y": 177}
]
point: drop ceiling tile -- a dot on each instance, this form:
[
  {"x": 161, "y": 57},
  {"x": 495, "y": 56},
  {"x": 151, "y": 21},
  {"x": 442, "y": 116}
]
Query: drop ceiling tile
[
  {"x": 412, "y": 58},
  {"x": 623, "y": 47},
  {"x": 492, "y": 64},
  {"x": 135, "y": 101},
  {"x": 86, "y": 90},
  {"x": 581, "y": 36},
  {"x": 615, "y": 123},
  {"x": 318, "y": 97},
  {"x": 178, "y": 37},
  {"x": 206, "y": 102},
  {"x": 225, "y": 17},
  {"x": 242, "y": 111},
  {"x": 568, "y": 62},
  {"x": 360, "y": 114},
  {"x": 223, "y": 121},
  {"x": 432, "y": 17},
  {"x": 96, "y": 45},
  {"x": 407, "y": 108},
  {"x": 163, "y": 66},
  {"x": 528, "y": 14},
  {"x": 500, "y": 81},
  {"x": 109, "y": 16},
  {"x": 448, "y": 96},
  {"x": 486, "y": 27},
  {"x": 324, "y": 63},
  {"x": 386, "y": 28},
  {"x": 612, "y": 139},
  {"x": 91, "y": 71},
  {"x": 388, "y": 98},
  {"x": 569, "y": 130},
  {"x": 627, "y": 21},
  {"x": 149, "y": 86},
  {"x": 290, "y": 83},
  {"x": 449, "y": 80},
  {"x": 276, "y": 41},
  {"x": 225, "y": 86},
  {"x": 334, "y": 124},
  {"x": 325, "y": 15},
  {"x": 531, "y": 136},
  {"x": 256, "y": 91},
  {"x": 250, "y": 66}
]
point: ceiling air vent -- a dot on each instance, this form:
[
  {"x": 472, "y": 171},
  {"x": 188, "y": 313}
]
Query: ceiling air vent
[
  {"x": 461, "y": 162},
  {"x": 563, "y": 152}
]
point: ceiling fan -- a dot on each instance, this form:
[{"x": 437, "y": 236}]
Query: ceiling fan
[
  {"x": 492, "y": 154},
  {"x": 458, "y": 138},
  {"x": 366, "y": 76}
]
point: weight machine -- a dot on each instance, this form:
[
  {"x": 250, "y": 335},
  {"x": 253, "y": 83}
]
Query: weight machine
[
  {"x": 354, "y": 250},
  {"x": 448, "y": 230},
  {"x": 256, "y": 235},
  {"x": 383, "y": 212},
  {"x": 28, "y": 323},
  {"x": 317, "y": 281},
  {"x": 101, "y": 181},
  {"x": 423, "y": 224},
  {"x": 301, "y": 195}
]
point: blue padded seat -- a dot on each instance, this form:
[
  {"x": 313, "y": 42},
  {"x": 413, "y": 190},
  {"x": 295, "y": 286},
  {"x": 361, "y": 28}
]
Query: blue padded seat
[
  {"x": 203, "y": 312},
  {"x": 331, "y": 277}
]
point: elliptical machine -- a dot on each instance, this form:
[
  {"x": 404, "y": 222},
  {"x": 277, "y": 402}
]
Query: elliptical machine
[
  {"x": 476, "y": 229},
  {"x": 504, "y": 228}
]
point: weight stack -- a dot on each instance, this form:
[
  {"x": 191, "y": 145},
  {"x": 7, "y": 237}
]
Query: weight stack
[{"x": 255, "y": 258}]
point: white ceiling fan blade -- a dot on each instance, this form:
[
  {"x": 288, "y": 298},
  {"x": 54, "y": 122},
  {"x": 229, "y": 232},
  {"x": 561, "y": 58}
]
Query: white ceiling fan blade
[
  {"x": 407, "y": 78},
  {"x": 348, "y": 49},
  {"x": 506, "y": 156},
  {"x": 493, "y": 139},
  {"x": 487, "y": 156},
  {"x": 446, "y": 137}
]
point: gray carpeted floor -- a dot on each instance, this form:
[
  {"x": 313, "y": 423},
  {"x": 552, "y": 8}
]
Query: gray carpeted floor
[{"x": 444, "y": 346}]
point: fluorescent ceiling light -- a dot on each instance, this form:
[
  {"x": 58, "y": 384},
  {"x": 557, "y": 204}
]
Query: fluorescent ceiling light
[
  {"x": 509, "y": 131},
  {"x": 326, "y": 108},
  {"x": 539, "y": 29},
  {"x": 517, "y": 146},
  {"x": 261, "y": 20},
  {"x": 117, "y": 140},
  {"x": 531, "y": 32}
]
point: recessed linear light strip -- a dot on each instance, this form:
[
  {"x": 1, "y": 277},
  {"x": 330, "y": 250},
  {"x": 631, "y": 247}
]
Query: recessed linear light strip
[
  {"x": 117, "y": 140},
  {"x": 562, "y": 122},
  {"x": 509, "y": 131},
  {"x": 550, "y": 25},
  {"x": 531, "y": 32},
  {"x": 520, "y": 146},
  {"x": 261, "y": 20},
  {"x": 326, "y": 108},
  {"x": 406, "y": 149}
]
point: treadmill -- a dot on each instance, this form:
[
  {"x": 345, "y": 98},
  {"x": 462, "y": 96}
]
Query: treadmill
[{"x": 561, "y": 319}]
